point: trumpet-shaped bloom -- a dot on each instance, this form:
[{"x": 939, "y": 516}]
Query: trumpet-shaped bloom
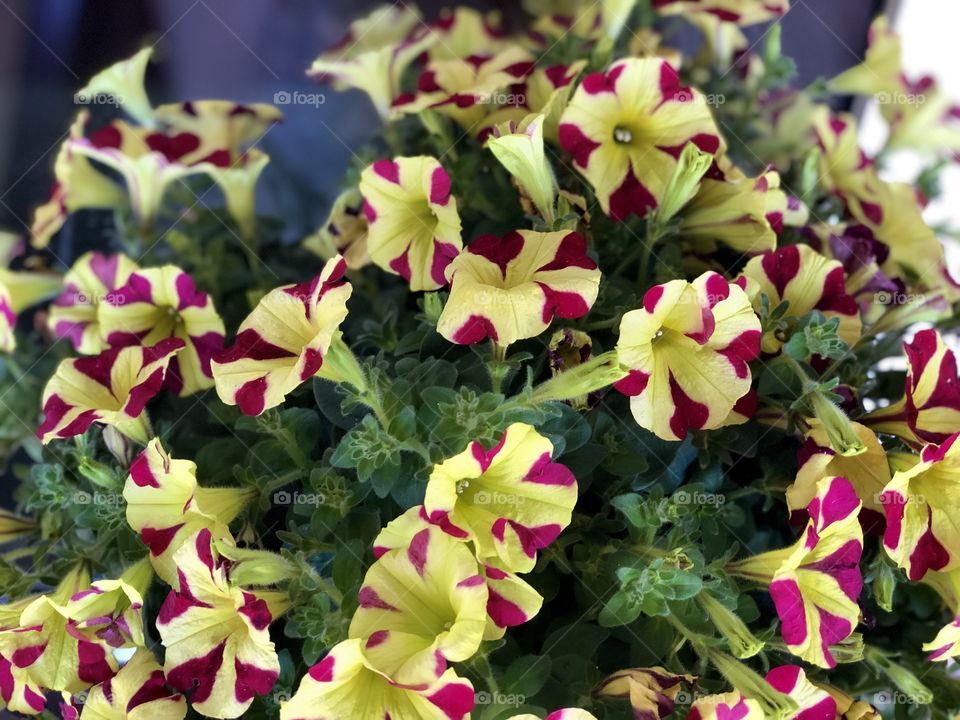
[
  {"x": 78, "y": 185},
  {"x": 216, "y": 635},
  {"x": 111, "y": 388},
  {"x": 510, "y": 600},
  {"x": 374, "y": 54},
  {"x": 20, "y": 693},
  {"x": 283, "y": 342},
  {"x": 470, "y": 90},
  {"x": 728, "y": 706},
  {"x": 148, "y": 162},
  {"x": 344, "y": 685},
  {"x": 807, "y": 280},
  {"x": 14, "y": 527},
  {"x": 651, "y": 691},
  {"x": 58, "y": 653},
  {"x": 522, "y": 153},
  {"x": 160, "y": 303},
  {"x": 868, "y": 471},
  {"x": 816, "y": 582},
  {"x": 217, "y": 131},
  {"x": 930, "y": 408},
  {"x": 87, "y": 285},
  {"x": 920, "y": 504},
  {"x": 124, "y": 82},
  {"x": 18, "y": 291},
  {"x": 626, "y": 128},
  {"x": 345, "y": 232},
  {"x": 922, "y": 118},
  {"x": 735, "y": 213},
  {"x": 946, "y": 644},
  {"x": 464, "y": 32},
  {"x": 138, "y": 692},
  {"x": 881, "y": 70},
  {"x": 741, "y": 12},
  {"x": 813, "y": 702},
  {"x": 421, "y": 606},
  {"x": 511, "y": 288},
  {"x": 510, "y": 500},
  {"x": 414, "y": 226},
  {"x": 165, "y": 505},
  {"x": 687, "y": 350},
  {"x": 111, "y": 609}
]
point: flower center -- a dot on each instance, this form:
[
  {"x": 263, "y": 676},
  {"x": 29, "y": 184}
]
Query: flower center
[
  {"x": 462, "y": 485},
  {"x": 622, "y": 135}
]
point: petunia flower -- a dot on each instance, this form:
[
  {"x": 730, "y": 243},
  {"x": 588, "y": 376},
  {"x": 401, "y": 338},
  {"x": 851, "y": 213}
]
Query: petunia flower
[
  {"x": 13, "y": 526},
  {"x": 111, "y": 609},
  {"x": 138, "y": 692},
  {"x": 546, "y": 91},
  {"x": 78, "y": 185},
  {"x": 626, "y": 128},
  {"x": 522, "y": 153},
  {"x": 238, "y": 182},
  {"x": 216, "y": 131},
  {"x": 463, "y": 32},
  {"x": 148, "y": 162},
  {"x": 511, "y": 601},
  {"x": 421, "y": 606},
  {"x": 414, "y": 226},
  {"x": 807, "y": 281},
  {"x": 124, "y": 83},
  {"x": 651, "y": 691},
  {"x": 18, "y": 291},
  {"x": 813, "y": 703},
  {"x": 946, "y": 644},
  {"x": 849, "y": 708},
  {"x": 511, "y": 288},
  {"x": 57, "y": 654},
  {"x": 881, "y": 70},
  {"x": 345, "y": 232},
  {"x": 687, "y": 351},
  {"x": 929, "y": 411},
  {"x": 741, "y": 12},
  {"x": 111, "y": 388},
  {"x": 374, "y": 54},
  {"x": 922, "y": 118},
  {"x": 920, "y": 503},
  {"x": 159, "y": 303},
  {"x": 815, "y": 583},
  {"x": 727, "y": 706},
  {"x": 510, "y": 501},
  {"x": 868, "y": 471},
  {"x": 469, "y": 90},
  {"x": 735, "y": 213},
  {"x": 283, "y": 342},
  {"x": 165, "y": 506},
  {"x": 216, "y": 635},
  {"x": 73, "y": 315},
  {"x": 344, "y": 685}
]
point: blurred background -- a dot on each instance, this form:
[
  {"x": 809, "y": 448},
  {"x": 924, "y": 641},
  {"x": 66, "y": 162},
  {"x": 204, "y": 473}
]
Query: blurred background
[{"x": 253, "y": 50}]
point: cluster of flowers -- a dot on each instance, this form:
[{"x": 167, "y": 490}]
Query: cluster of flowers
[{"x": 447, "y": 572}]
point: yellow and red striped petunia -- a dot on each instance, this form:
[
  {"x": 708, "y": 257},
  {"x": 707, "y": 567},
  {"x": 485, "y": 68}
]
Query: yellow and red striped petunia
[{"x": 687, "y": 351}]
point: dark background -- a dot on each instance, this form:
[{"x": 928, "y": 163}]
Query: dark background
[{"x": 248, "y": 50}]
